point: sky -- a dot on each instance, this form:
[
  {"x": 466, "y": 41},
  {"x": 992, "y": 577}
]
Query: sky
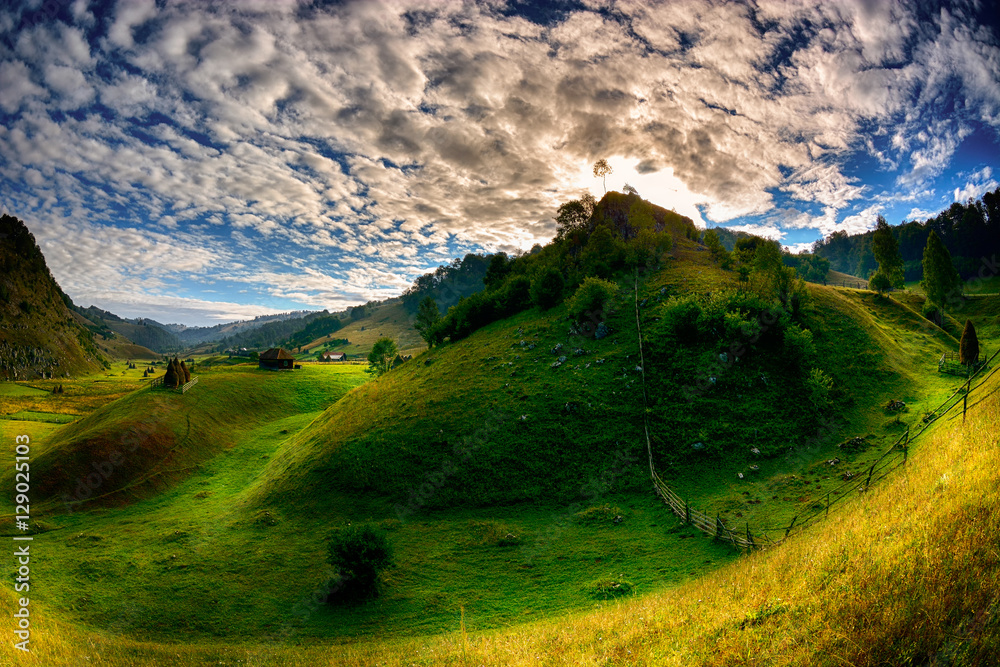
[{"x": 201, "y": 162}]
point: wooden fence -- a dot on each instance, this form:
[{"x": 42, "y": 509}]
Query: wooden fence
[
  {"x": 951, "y": 363},
  {"x": 158, "y": 382},
  {"x": 745, "y": 538}
]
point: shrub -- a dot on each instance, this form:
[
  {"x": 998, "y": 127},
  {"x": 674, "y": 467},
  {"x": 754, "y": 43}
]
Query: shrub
[
  {"x": 798, "y": 345},
  {"x": 360, "y": 553},
  {"x": 680, "y": 318},
  {"x": 608, "y": 589},
  {"x": 590, "y": 299},
  {"x": 547, "y": 288},
  {"x": 818, "y": 386}
]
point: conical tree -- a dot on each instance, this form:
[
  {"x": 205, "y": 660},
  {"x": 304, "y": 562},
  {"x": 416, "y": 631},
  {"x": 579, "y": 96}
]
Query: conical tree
[{"x": 968, "y": 348}]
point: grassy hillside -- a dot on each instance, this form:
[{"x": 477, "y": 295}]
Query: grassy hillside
[
  {"x": 904, "y": 574},
  {"x": 149, "y": 439},
  {"x": 38, "y": 335},
  {"x": 388, "y": 319}
]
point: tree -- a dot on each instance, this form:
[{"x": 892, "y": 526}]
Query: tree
[
  {"x": 590, "y": 299},
  {"x": 629, "y": 190},
  {"x": 360, "y": 554},
  {"x": 498, "y": 269},
  {"x": 380, "y": 358},
  {"x": 941, "y": 281},
  {"x": 574, "y": 215},
  {"x": 719, "y": 253},
  {"x": 890, "y": 262},
  {"x": 428, "y": 317},
  {"x": 968, "y": 348},
  {"x": 601, "y": 170},
  {"x": 358, "y": 312},
  {"x": 547, "y": 289}
]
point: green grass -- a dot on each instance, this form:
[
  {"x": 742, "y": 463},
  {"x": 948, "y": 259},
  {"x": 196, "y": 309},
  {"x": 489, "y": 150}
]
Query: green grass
[
  {"x": 19, "y": 389},
  {"x": 219, "y": 532},
  {"x": 50, "y": 417}
]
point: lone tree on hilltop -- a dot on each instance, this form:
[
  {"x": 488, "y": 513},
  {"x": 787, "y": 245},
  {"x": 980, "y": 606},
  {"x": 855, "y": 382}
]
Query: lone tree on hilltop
[
  {"x": 890, "y": 262},
  {"x": 941, "y": 281},
  {"x": 601, "y": 170},
  {"x": 381, "y": 356},
  {"x": 968, "y": 348}
]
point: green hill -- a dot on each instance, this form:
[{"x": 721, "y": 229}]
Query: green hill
[
  {"x": 509, "y": 466},
  {"x": 38, "y": 334}
]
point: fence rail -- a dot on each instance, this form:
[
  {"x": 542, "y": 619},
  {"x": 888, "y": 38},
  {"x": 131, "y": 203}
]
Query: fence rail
[
  {"x": 158, "y": 382},
  {"x": 891, "y": 459}
]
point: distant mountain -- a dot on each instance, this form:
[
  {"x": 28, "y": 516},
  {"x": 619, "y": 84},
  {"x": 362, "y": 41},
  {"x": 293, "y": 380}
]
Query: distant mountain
[
  {"x": 39, "y": 335},
  {"x": 197, "y": 335},
  {"x": 146, "y": 333}
]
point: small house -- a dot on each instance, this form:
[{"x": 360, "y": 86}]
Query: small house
[
  {"x": 276, "y": 359},
  {"x": 334, "y": 356}
]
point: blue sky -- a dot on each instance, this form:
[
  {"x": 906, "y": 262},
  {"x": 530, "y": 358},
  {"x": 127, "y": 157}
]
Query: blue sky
[{"x": 199, "y": 162}]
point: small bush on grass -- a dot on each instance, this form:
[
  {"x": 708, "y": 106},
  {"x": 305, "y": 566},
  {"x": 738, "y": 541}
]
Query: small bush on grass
[
  {"x": 609, "y": 589},
  {"x": 360, "y": 554},
  {"x": 493, "y": 534},
  {"x": 605, "y": 514}
]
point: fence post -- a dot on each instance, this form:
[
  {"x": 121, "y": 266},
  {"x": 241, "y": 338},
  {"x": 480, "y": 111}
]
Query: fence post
[
  {"x": 687, "y": 511},
  {"x": 750, "y": 537},
  {"x": 789, "y": 529},
  {"x": 868, "y": 481},
  {"x": 828, "y": 504},
  {"x": 906, "y": 444},
  {"x": 718, "y": 527}
]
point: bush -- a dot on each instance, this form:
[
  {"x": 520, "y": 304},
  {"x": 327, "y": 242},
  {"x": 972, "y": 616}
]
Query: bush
[
  {"x": 608, "y": 589},
  {"x": 799, "y": 348},
  {"x": 360, "y": 553},
  {"x": 818, "y": 386},
  {"x": 547, "y": 288},
  {"x": 590, "y": 299},
  {"x": 680, "y": 318}
]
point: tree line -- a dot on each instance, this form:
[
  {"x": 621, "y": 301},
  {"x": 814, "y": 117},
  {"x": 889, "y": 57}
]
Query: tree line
[{"x": 968, "y": 231}]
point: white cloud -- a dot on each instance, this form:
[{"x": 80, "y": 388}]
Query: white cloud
[{"x": 364, "y": 132}]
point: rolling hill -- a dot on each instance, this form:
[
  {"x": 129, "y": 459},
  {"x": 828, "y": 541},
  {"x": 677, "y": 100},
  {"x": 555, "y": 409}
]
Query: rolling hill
[{"x": 38, "y": 333}]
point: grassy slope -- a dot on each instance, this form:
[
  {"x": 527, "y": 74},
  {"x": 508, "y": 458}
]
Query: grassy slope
[
  {"x": 166, "y": 551},
  {"x": 907, "y": 573},
  {"x": 389, "y": 320},
  {"x": 152, "y": 438}
]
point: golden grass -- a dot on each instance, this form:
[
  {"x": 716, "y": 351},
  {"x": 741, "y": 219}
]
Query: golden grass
[{"x": 906, "y": 573}]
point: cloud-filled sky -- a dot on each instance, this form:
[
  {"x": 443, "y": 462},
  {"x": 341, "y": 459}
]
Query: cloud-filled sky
[{"x": 198, "y": 162}]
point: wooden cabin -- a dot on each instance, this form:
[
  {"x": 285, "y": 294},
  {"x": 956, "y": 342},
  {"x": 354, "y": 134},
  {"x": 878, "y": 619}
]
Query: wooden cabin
[{"x": 276, "y": 358}]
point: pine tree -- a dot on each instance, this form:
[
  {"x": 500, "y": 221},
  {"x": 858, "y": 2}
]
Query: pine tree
[
  {"x": 941, "y": 281},
  {"x": 968, "y": 348}
]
